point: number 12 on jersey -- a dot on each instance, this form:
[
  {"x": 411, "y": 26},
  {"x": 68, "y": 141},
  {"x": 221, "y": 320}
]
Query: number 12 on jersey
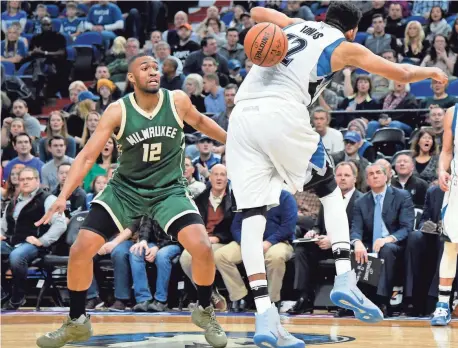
[
  {"x": 298, "y": 45},
  {"x": 152, "y": 152}
]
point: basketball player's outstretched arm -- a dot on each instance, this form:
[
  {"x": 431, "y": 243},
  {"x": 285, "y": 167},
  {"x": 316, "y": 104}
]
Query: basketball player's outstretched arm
[
  {"x": 194, "y": 118},
  {"x": 261, "y": 14},
  {"x": 352, "y": 54},
  {"x": 446, "y": 155},
  {"x": 110, "y": 120}
]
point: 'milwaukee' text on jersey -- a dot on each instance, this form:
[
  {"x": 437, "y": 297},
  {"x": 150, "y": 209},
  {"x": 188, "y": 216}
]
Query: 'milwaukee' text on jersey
[{"x": 151, "y": 132}]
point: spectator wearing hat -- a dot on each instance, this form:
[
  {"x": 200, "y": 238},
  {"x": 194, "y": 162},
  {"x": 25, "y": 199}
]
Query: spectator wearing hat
[
  {"x": 75, "y": 122},
  {"x": 235, "y": 76},
  {"x": 162, "y": 52},
  {"x": 170, "y": 78},
  {"x": 105, "y": 89},
  {"x": 367, "y": 149},
  {"x": 214, "y": 101},
  {"x": 102, "y": 72},
  {"x": 229, "y": 95},
  {"x": 352, "y": 141},
  {"x": 209, "y": 66},
  {"x": 185, "y": 46},
  {"x": 248, "y": 23},
  {"x": 206, "y": 159},
  {"x": 232, "y": 49},
  {"x": 209, "y": 48}
]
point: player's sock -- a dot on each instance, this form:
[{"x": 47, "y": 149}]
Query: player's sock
[
  {"x": 336, "y": 221},
  {"x": 260, "y": 295},
  {"x": 444, "y": 293},
  {"x": 204, "y": 293},
  {"x": 77, "y": 303}
]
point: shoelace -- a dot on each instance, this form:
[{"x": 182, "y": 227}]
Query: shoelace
[
  {"x": 440, "y": 312},
  {"x": 282, "y": 331},
  {"x": 214, "y": 325},
  {"x": 57, "y": 333}
]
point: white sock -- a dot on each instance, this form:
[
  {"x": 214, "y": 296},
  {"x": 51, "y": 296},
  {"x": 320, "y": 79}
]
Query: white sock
[
  {"x": 336, "y": 222},
  {"x": 444, "y": 293},
  {"x": 261, "y": 295}
]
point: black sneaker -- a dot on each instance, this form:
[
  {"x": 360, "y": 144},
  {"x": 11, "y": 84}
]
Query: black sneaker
[
  {"x": 94, "y": 303},
  {"x": 141, "y": 307},
  {"x": 118, "y": 306},
  {"x": 10, "y": 306},
  {"x": 157, "y": 306}
]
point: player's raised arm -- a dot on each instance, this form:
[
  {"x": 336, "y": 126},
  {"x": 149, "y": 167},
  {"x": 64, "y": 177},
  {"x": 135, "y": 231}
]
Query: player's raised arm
[
  {"x": 446, "y": 155},
  {"x": 261, "y": 14},
  {"x": 351, "y": 54},
  {"x": 194, "y": 118}
]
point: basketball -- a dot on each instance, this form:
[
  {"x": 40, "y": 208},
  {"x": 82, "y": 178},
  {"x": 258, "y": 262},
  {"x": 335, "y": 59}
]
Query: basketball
[{"x": 266, "y": 44}]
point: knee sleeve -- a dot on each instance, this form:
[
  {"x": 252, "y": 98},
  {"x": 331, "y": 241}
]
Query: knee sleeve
[
  {"x": 448, "y": 262},
  {"x": 322, "y": 184},
  {"x": 253, "y": 227}
]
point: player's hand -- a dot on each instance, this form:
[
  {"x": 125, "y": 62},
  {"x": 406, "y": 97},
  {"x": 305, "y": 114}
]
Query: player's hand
[
  {"x": 58, "y": 206},
  {"x": 139, "y": 248},
  {"x": 439, "y": 75},
  {"x": 324, "y": 243},
  {"x": 310, "y": 234},
  {"x": 444, "y": 180},
  {"x": 379, "y": 243},
  {"x": 150, "y": 254},
  {"x": 34, "y": 241},
  {"x": 360, "y": 253}
]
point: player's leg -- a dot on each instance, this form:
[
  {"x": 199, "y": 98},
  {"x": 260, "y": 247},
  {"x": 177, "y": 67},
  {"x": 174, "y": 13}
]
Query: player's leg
[{"x": 95, "y": 230}]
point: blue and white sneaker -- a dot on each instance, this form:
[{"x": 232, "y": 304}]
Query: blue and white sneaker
[
  {"x": 346, "y": 294},
  {"x": 442, "y": 315},
  {"x": 270, "y": 333}
]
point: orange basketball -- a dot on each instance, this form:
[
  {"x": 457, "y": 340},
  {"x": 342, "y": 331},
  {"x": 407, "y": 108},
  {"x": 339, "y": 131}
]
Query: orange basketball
[{"x": 266, "y": 44}]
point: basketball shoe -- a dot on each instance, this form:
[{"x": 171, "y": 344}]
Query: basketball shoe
[
  {"x": 442, "y": 315},
  {"x": 206, "y": 319},
  {"x": 76, "y": 330}
]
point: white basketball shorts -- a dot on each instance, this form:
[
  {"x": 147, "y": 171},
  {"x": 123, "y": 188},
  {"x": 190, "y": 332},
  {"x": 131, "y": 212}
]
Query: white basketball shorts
[{"x": 450, "y": 211}]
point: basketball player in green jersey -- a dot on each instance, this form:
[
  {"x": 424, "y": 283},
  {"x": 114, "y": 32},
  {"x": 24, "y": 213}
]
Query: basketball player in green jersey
[{"x": 149, "y": 181}]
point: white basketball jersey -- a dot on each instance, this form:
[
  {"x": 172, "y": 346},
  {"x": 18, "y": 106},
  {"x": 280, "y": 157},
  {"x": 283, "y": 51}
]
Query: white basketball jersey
[
  {"x": 307, "y": 63},
  {"x": 454, "y": 164}
]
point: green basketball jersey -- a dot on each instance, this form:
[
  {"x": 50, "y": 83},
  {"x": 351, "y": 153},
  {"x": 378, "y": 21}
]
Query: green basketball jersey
[{"x": 151, "y": 145}]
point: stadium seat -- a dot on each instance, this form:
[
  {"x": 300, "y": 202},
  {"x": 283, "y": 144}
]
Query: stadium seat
[
  {"x": 53, "y": 10},
  {"x": 451, "y": 20},
  {"x": 388, "y": 140},
  {"x": 421, "y": 89},
  {"x": 453, "y": 88},
  {"x": 227, "y": 18},
  {"x": 24, "y": 68},
  {"x": 28, "y": 26},
  {"x": 71, "y": 53},
  {"x": 416, "y": 18},
  {"x": 56, "y": 24},
  {"x": 361, "y": 37},
  {"x": 360, "y": 71},
  {"x": 88, "y": 48},
  {"x": 83, "y": 8},
  {"x": 9, "y": 67},
  {"x": 28, "y": 37},
  {"x": 89, "y": 38}
]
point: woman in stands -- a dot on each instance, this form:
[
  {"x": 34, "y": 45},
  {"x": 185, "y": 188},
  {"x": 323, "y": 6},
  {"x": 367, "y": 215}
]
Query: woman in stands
[
  {"x": 214, "y": 27},
  {"x": 236, "y": 22},
  {"x": 57, "y": 125},
  {"x": 117, "y": 51},
  {"x": 437, "y": 24},
  {"x": 75, "y": 88},
  {"x": 440, "y": 55},
  {"x": 454, "y": 37},
  {"x": 194, "y": 85},
  {"x": 8, "y": 133},
  {"x": 76, "y": 121},
  {"x": 105, "y": 89},
  {"x": 426, "y": 155},
  {"x": 366, "y": 149},
  {"x": 90, "y": 124},
  {"x": 97, "y": 185},
  {"x": 12, "y": 15},
  {"x": 107, "y": 157},
  {"x": 11, "y": 189},
  {"x": 12, "y": 49},
  {"x": 415, "y": 45}
]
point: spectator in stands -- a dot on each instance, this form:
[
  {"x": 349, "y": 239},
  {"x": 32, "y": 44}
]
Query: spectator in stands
[
  {"x": 71, "y": 24},
  {"x": 75, "y": 88},
  {"x": 278, "y": 235},
  {"x": 440, "y": 55},
  {"x": 12, "y": 88},
  {"x": 248, "y": 65},
  {"x": 196, "y": 187},
  {"x": 105, "y": 89},
  {"x": 399, "y": 98},
  {"x": 423, "y": 8},
  {"x": 90, "y": 124},
  {"x": 112, "y": 170},
  {"x": 155, "y": 38},
  {"x": 436, "y": 120},
  {"x": 422, "y": 252},
  {"x": 22, "y": 241},
  {"x": 234, "y": 72},
  {"x": 57, "y": 146},
  {"x": 440, "y": 98},
  {"x": 194, "y": 61},
  {"x": 382, "y": 221},
  {"x": 366, "y": 148},
  {"x": 40, "y": 13},
  {"x": 214, "y": 101},
  {"x": 185, "y": 45},
  {"x": 437, "y": 24},
  {"x": 415, "y": 45},
  {"x": 380, "y": 41},
  {"x": 232, "y": 49},
  {"x": 105, "y": 18},
  {"x": 395, "y": 24},
  {"x": 11, "y": 128},
  {"x": 193, "y": 86},
  {"x": 213, "y": 27},
  {"x": 248, "y": 23},
  {"x": 212, "y": 13},
  {"x": 405, "y": 179},
  {"x": 308, "y": 205},
  {"x": 295, "y": 10},
  {"x": 102, "y": 72},
  {"x": 23, "y": 145},
  {"x": 352, "y": 141},
  {"x": 309, "y": 254},
  {"x": 388, "y": 170},
  {"x": 76, "y": 121},
  {"x": 117, "y": 50},
  {"x": 170, "y": 79},
  {"x": 107, "y": 157},
  {"x": 118, "y": 68},
  {"x": 12, "y": 49},
  {"x": 11, "y": 189},
  {"x": 378, "y": 7},
  {"x": 215, "y": 207},
  {"x": 13, "y": 14},
  {"x": 163, "y": 52},
  {"x": 77, "y": 200},
  {"x": 153, "y": 246},
  {"x": 56, "y": 125},
  {"x": 32, "y": 126},
  {"x": 229, "y": 95},
  {"x": 332, "y": 138},
  {"x": 454, "y": 41},
  {"x": 236, "y": 23},
  {"x": 426, "y": 153},
  {"x": 206, "y": 160},
  {"x": 171, "y": 36},
  {"x": 209, "y": 66},
  {"x": 97, "y": 185}
]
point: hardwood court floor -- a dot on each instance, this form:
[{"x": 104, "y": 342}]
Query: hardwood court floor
[{"x": 176, "y": 331}]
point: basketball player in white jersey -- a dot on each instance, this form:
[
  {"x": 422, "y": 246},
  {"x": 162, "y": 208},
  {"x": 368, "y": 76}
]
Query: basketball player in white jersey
[
  {"x": 448, "y": 180},
  {"x": 270, "y": 141}
]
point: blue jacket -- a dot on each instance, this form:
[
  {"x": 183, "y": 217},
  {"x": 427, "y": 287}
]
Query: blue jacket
[
  {"x": 398, "y": 214},
  {"x": 281, "y": 221}
]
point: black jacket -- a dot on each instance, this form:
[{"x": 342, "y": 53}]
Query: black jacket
[
  {"x": 432, "y": 210},
  {"x": 149, "y": 230},
  {"x": 223, "y": 229},
  {"x": 172, "y": 84},
  {"x": 362, "y": 163},
  {"x": 417, "y": 188},
  {"x": 75, "y": 203}
]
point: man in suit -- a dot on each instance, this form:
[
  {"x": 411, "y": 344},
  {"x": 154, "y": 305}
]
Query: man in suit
[
  {"x": 308, "y": 254},
  {"x": 382, "y": 221},
  {"x": 422, "y": 254}
]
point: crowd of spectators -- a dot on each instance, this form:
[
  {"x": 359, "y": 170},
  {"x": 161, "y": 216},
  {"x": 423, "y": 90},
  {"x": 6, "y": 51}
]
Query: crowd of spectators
[{"x": 207, "y": 60}]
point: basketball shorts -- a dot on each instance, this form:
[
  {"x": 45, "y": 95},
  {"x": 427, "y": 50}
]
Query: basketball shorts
[
  {"x": 173, "y": 208},
  {"x": 269, "y": 142},
  {"x": 450, "y": 212}
]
